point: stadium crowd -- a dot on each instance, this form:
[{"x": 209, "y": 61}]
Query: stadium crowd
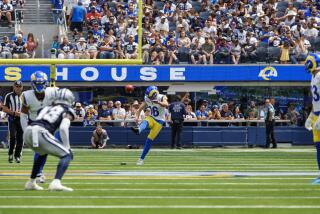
[
  {"x": 110, "y": 112},
  {"x": 186, "y": 31}
]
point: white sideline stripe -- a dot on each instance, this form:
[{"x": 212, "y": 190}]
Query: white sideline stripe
[
  {"x": 205, "y": 166},
  {"x": 176, "y": 184},
  {"x": 162, "y": 207},
  {"x": 159, "y": 197},
  {"x": 189, "y": 190}
]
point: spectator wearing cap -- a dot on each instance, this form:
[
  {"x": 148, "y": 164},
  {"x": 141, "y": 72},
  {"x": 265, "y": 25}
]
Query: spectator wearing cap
[
  {"x": 131, "y": 48},
  {"x": 106, "y": 49},
  {"x": 214, "y": 114},
  {"x": 6, "y": 48},
  {"x": 118, "y": 113},
  {"x": 79, "y": 111},
  {"x": 54, "y": 47},
  {"x": 77, "y": 18},
  {"x": 93, "y": 16},
  {"x": 66, "y": 49},
  {"x": 222, "y": 55},
  {"x": 208, "y": 49},
  {"x": 19, "y": 48},
  {"x": 134, "y": 108},
  {"x": 12, "y": 106},
  {"x": 81, "y": 49},
  {"x": 105, "y": 113},
  {"x": 163, "y": 24},
  {"x": 91, "y": 115},
  {"x": 249, "y": 50},
  {"x": 289, "y": 18}
]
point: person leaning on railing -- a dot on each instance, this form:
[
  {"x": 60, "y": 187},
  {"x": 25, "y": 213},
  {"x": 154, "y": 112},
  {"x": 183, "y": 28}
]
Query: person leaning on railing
[{"x": 214, "y": 114}]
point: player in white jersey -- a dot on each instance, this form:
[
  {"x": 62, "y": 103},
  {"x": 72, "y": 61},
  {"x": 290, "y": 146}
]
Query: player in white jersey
[
  {"x": 33, "y": 101},
  {"x": 157, "y": 103},
  {"x": 39, "y": 137},
  {"x": 313, "y": 122}
]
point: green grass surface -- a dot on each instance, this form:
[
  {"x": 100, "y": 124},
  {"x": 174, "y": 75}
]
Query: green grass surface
[{"x": 132, "y": 193}]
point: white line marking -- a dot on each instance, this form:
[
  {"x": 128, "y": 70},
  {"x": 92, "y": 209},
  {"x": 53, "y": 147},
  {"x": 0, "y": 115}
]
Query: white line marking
[
  {"x": 189, "y": 190},
  {"x": 162, "y": 207},
  {"x": 176, "y": 184},
  {"x": 159, "y": 197}
]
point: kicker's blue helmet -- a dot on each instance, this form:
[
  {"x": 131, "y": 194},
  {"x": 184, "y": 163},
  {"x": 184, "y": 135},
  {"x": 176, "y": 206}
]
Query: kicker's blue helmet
[
  {"x": 312, "y": 62},
  {"x": 152, "y": 92},
  {"x": 39, "y": 81}
]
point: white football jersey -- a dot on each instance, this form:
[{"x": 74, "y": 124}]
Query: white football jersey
[
  {"x": 30, "y": 100},
  {"x": 157, "y": 111},
  {"x": 315, "y": 88}
]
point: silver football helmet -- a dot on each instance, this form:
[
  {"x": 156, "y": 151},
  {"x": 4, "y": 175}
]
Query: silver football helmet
[{"x": 64, "y": 96}]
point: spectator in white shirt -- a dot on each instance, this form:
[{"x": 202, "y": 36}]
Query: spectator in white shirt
[{"x": 118, "y": 113}]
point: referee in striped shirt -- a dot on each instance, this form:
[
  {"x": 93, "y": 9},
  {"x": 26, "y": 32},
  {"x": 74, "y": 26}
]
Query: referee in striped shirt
[{"x": 12, "y": 106}]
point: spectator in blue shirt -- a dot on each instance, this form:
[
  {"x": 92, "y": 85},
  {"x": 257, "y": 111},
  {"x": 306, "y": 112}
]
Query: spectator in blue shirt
[
  {"x": 77, "y": 18},
  {"x": 105, "y": 113},
  {"x": 202, "y": 114}
]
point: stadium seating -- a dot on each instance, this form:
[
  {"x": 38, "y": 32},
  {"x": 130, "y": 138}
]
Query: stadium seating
[{"x": 223, "y": 20}]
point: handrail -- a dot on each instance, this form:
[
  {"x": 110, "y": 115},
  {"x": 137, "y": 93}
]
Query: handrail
[
  {"x": 64, "y": 20},
  {"x": 42, "y": 46}
]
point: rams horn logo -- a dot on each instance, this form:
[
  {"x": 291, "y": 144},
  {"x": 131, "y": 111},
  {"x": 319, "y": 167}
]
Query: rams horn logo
[{"x": 268, "y": 72}]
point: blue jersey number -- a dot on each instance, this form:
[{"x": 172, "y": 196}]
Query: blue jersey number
[
  {"x": 154, "y": 111},
  {"x": 315, "y": 93}
]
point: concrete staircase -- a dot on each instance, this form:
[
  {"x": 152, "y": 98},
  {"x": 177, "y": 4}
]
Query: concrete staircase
[
  {"x": 38, "y": 19},
  {"x": 38, "y": 12}
]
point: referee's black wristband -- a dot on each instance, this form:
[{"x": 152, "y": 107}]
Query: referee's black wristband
[{"x": 14, "y": 113}]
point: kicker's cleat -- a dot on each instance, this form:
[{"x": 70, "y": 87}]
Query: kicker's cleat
[
  {"x": 32, "y": 185},
  {"x": 18, "y": 160},
  {"x": 136, "y": 130},
  {"x": 56, "y": 185},
  {"x": 140, "y": 162},
  {"x": 41, "y": 178}
]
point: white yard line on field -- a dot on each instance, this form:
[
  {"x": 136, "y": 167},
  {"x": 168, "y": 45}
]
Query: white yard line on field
[
  {"x": 158, "y": 197},
  {"x": 161, "y": 207}
]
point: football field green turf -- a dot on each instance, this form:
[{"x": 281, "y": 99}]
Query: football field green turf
[{"x": 189, "y": 181}]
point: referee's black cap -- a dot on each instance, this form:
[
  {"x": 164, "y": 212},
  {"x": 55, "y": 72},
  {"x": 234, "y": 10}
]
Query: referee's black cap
[{"x": 17, "y": 83}]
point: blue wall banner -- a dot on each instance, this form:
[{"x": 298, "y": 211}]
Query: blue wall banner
[{"x": 214, "y": 73}]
